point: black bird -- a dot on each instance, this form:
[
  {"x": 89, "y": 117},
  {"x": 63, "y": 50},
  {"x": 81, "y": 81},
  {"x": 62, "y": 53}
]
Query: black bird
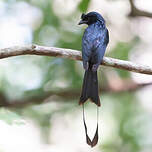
[{"x": 94, "y": 43}]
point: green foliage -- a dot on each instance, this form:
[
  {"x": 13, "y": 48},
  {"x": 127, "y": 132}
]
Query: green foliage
[
  {"x": 126, "y": 113},
  {"x": 122, "y": 51},
  {"x": 10, "y": 117},
  {"x": 49, "y": 18},
  {"x": 83, "y": 5}
]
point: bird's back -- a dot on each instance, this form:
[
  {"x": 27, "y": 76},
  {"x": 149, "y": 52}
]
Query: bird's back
[{"x": 93, "y": 39}]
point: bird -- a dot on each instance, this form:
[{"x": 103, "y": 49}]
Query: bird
[{"x": 94, "y": 43}]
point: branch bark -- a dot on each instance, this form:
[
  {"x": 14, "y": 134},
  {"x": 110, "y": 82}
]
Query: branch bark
[
  {"x": 71, "y": 54},
  {"x": 135, "y": 12}
]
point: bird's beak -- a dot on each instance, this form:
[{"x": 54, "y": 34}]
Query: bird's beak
[{"x": 82, "y": 22}]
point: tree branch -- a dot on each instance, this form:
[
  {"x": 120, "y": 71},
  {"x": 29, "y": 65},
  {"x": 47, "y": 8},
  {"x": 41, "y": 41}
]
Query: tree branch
[
  {"x": 67, "y": 95},
  {"x": 71, "y": 54},
  {"x": 135, "y": 12}
]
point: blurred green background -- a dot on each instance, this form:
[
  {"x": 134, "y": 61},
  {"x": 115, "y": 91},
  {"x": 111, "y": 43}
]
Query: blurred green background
[{"x": 39, "y": 95}]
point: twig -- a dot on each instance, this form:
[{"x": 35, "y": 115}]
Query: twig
[
  {"x": 71, "y": 54},
  {"x": 135, "y": 12}
]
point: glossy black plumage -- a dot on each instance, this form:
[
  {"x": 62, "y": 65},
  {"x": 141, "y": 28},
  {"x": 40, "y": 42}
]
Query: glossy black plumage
[{"x": 94, "y": 43}]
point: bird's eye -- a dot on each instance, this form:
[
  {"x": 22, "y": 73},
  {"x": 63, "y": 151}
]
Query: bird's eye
[{"x": 85, "y": 18}]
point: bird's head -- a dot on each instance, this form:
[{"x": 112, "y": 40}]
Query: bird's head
[{"x": 91, "y": 18}]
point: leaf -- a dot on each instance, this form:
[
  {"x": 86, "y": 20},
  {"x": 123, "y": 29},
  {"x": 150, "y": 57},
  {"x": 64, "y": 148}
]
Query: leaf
[{"x": 83, "y": 5}]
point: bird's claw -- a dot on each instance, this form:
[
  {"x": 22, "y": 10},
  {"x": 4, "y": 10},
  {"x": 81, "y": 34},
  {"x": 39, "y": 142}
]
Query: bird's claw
[{"x": 86, "y": 65}]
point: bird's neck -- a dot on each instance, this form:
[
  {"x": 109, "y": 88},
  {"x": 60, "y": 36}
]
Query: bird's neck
[{"x": 97, "y": 24}]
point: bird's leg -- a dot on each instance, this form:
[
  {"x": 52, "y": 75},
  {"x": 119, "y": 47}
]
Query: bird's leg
[
  {"x": 95, "y": 67},
  {"x": 85, "y": 65}
]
